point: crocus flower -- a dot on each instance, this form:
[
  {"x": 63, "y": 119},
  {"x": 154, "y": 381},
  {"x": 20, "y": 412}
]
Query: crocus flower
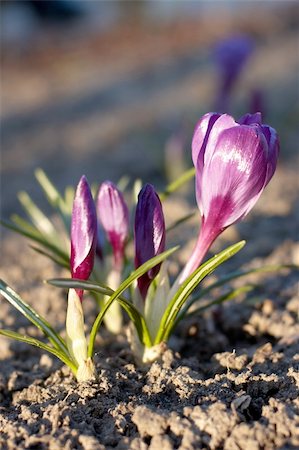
[
  {"x": 83, "y": 247},
  {"x": 230, "y": 54},
  {"x": 149, "y": 234},
  {"x": 113, "y": 214},
  {"x": 83, "y": 233},
  {"x": 234, "y": 162}
]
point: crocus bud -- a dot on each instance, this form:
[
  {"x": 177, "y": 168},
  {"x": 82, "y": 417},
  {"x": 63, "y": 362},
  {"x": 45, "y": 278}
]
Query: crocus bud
[
  {"x": 149, "y": 234},
  {"x": 83, "y": 247},
  {"x": 83, "y": 233},
  {"x": 230, "y": 54},
  {"x": 113, "y": 214},
  {"x": 234, "y": 162}
]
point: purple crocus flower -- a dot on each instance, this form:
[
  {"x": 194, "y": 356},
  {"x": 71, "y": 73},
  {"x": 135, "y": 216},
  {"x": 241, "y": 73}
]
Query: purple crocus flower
[
  {"x": 149, "y": 234},
  {"x": 113, "y": 214},
  {"x": 83, "y": 233},
  {"x": 230, "y": 54},
  {"x": 234, "y": 162}
]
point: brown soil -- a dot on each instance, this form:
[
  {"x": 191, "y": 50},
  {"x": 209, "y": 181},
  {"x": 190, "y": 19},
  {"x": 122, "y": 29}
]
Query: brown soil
[
  {"x": 229, "y": 379},
  {"x": 233, "y": 384}
]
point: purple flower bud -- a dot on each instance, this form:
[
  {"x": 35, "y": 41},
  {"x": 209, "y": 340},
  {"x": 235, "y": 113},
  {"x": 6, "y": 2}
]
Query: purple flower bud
[
  {"x": 113, "y": 214},
  {"x": 149, "y": 234},
  {"x": 83, "y": 233},
  {"x": 231, "y": 54},
  {"x": 234, "y": 162}
]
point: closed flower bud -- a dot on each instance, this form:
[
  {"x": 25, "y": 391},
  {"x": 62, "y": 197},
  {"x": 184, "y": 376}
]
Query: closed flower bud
[
  {"x": 149, "y": 234},
  {"x": 113, "y": 214},
  {"x": 83, "y": 233},
  {"x": 234, "y": 162}
]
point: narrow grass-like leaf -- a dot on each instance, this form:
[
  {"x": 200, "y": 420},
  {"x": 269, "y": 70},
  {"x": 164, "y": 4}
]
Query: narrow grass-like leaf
[
  {"x": 175, "y": 185},
  {"x": 233, "y": 293},
  {"x": 17, "y": 302},
  {"x": 137, "y": 186},
  {"x": 25, "y": 225},
  {"x": 230, "y": 295},
  {"x": 178, "y": 222},
  {"x": 123, "y": 183},
  {"x": 69, "y": 195},
  {"x": 36, "y": 343},
  {"x": 39, "y": 219},
  {"x": 52, "y": 194},
  {"x": 56, "y": 259},
  {"x": 124, "y": 285},
  {"x": 187, "y": 288},
  {"x": 37, "y": 238},
  {"x": 238, "y": 274},
  {"x": 133, "y": 313}
]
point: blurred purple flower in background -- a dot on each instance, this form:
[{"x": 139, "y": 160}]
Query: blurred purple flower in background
[
  {"x": 83, "y": 233},
  {"x": 230, "y": 55},
  {"x": 113, "y": 214},
  {"x": 234, "y": 162},
  {"x": 149, "y": 234},
  {"x": 257, "y": 101}
]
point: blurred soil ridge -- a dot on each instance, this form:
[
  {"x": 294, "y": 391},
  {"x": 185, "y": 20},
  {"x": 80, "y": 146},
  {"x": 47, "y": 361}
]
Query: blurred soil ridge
[{"x": 104, "y": 100}]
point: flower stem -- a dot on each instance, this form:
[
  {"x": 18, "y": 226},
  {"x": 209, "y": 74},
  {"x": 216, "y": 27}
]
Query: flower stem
[{"x": 205, "y": 239}]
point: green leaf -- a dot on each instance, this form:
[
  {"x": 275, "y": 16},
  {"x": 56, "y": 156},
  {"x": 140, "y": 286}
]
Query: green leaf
[
  {"x": 238, "y": 274},
  {"x": 123, "y": 183},
  {"x": 175, "y": 185},
  {"x": 55, "y": 199},
  {"x": 233, "y": 293},
  {"x": 17, "y": 302},
  {"x": 180, "y": 221},
  {"x": 37, "y": 237},
  {"x": 56, "y": 259},
  {"x": 69, "y": 195},
  {"x": 124, "y": 285},
  {"x": 188, "y": 286},
  {"x": 133, "y": 313},
  {"x": 36, "y": 343},
  {"x": 39, "y": 219},
  {"x": 25, "y": 225},
  {"x": 52, "y": 194}
]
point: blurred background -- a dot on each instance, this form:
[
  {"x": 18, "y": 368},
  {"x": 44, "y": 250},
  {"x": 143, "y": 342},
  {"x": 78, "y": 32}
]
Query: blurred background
[{"x": 107, "y": 88}]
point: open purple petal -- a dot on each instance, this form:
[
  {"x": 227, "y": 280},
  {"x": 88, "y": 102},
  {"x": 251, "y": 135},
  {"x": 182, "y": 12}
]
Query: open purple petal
[
  {"x": 235, "y": 176},
  {"x": 203, "y": 143},
  {"x": 250, "y": 119},
  {"x": 273, "y": 150}
]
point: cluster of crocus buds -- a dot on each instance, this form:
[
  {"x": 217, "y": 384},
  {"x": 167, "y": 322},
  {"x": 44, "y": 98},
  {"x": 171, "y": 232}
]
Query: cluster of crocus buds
[{"x": 234, "y": 161}]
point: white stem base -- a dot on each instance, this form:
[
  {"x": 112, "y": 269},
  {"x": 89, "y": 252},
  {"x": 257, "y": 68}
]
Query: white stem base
[
  {"x": 144, "y": 355},
  {"x": 86, "y": 371}
]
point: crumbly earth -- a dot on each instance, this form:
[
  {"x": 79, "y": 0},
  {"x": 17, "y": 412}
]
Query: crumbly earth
[{"x": 229, "y": 379}]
